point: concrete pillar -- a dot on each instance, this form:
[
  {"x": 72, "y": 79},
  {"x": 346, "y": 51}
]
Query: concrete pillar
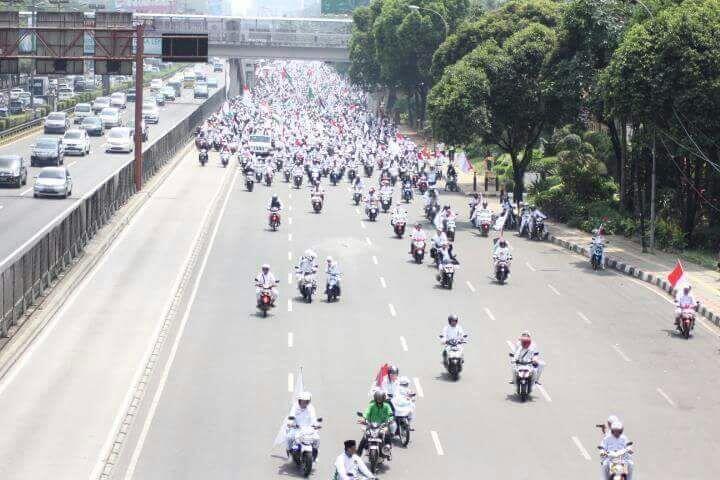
[{"x": 235, "y": 77}]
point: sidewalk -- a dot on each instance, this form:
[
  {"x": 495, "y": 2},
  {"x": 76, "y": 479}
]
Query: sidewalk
[{"x": 626, "y": 256}]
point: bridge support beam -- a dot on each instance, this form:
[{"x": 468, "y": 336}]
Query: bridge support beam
[{"x": 236, "y": 79}]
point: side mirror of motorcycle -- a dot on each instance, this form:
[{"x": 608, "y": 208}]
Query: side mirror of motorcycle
[
  {"x": 320, "y": 419},
  {"x": 291, "y": 417},
  {"x": 360, "y": 414},
  {"x": 630, "y": 443},
  {"x": 511, "y": 354}
]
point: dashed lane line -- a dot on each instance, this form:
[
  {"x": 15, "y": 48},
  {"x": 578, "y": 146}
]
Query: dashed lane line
[
  {"x": 436, "y": 441},
  {"x": 470, "y": 286},
  {"x": 489, "y": 314},
  {"x": 291, "y": 340},
  {"x": 621, "y": 353},
  {"x": 666, "y": 397},
  {"x": 581, "y": 448},
  {"x": 554, "y": 290},
  {"x": 418, "y": 387},
  {"x": 382, "y": 282},
  {"x": 392, "y": 310},
  {"x": 404, "y": 344},
  {"x": 585, "y": 319}
]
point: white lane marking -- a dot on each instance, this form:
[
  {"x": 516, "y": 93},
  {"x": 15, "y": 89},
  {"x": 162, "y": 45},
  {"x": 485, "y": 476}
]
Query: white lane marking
[
  {"x": 392, "y": 310},
  {"x": 362, "y": 224},
  {"x": 666, "y": 397},
  {"x": 1, "y": 207},
  {"x": 544, "y": 393},
  {"x": 72, "y": 163},
  {"x": 290, "y": 196},
  {"x": 436, "y": 441},
  {"x": 553, "y": 289},
  {"x": 289, "y": 278},
  {"x": 289, "y": 220},
  {"x": 289, "y": 208},
  {"x": 403, "y": 343},
  {"x": 647, "y": 286},
  {"x": 290, "y": 339},
  {"x": 470, "y": 286},
  {"x": 375, "y": 260},
  {"x": 582, "y": 449},
  {"x": 382, "y": 282},
  {"x": 587, "y": 320},
  {"x": 289, "y": 305},
  {"x": 621, "y": 353},
  {"x": 530, "y": 267},
  {"x": 22, "y": 194},
  {"x": 178, "y": 337},
  {"x": 289, "y": 255},
  {"x": 510, "y": 344},
  {"x": 289, "y": 237},
  {"x": 357, "y": 210},
  {"x": 489, "y": 314},
  {"x": 418, "y": 387},
  {"x": 291, "y": 382},
  {"x": 367, "y": 239}
]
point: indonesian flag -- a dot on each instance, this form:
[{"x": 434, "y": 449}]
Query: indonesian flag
[
  {"x": 399, "y": 137},
  {"x": 299, "y": 387},
  {"x": 246, "y": 95},
  {"x": 382, "y": 375},
  {"x": 677, "y": 277},
  {"x": 464, "y": 163}
]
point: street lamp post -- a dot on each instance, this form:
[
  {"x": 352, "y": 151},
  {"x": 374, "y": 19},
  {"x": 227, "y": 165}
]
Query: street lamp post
[{"x": 417, "y": 8}]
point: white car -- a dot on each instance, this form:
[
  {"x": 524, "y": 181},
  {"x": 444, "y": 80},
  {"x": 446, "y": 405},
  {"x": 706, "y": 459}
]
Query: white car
[
  {"x": 119, "y": 139},
  {"x": 53, "y": 182},
  {"x": 76, "y": 141},
  {"x": 156, "y": 84},
  {"x": 15, "y": 93},
  {"x": 110, "y": 117},
  {"x": 118, "y": 100},
  {"x": 150, "y": 112},
  {"x": 260, "y": 144},
  {"x": 56, "y": 122},
  {"x": 100, "y": 103},
  {"x": 212, "y": 82},
  {"x": 81, "y": 111},
  {"x": 65, "y": 93}
]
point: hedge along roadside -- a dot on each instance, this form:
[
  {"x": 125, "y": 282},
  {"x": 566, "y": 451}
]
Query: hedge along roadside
[{"x": 35, "y": 266}]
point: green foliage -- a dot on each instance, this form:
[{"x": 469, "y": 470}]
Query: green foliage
[{"x": 669, "y": 235}]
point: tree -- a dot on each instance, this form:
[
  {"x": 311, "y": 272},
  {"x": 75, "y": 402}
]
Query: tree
[
  {"x": 513, "y": 105},
  {"x": 364, "y": 69}
]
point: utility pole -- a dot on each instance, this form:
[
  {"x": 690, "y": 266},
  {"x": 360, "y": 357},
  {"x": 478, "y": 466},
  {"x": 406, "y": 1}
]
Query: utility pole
[
  {"x": 652, "y": 197},
  {"x": 139, "y": 51}
]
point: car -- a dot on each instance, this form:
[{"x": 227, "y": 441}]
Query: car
[
  {"x": 155, "y": 84},
  {"x": 160, "y": 99},
  {"x": 56, "y": 122},
  {"x": 65, "y": 93},
  {"x": 143, "y": 126},
  {"x": 13, "y": 170},
  {"x": 25, "y": 98},
  {"x": 217, "y": 67},
  {"x": 15, "y": 93},
  {"x": 212, "y": 82},
  {"x": 53, "y": 182},
  {"x": 4, "y": 112},
  {"x": 99, "y": 103},
  {"x": 176, "y": 85},
  {"x": 260, "y": 144},
  {"x": 200, "y": 91},
  {"x": 81, "y": 111},
  {"x": 110, "y": 117},
  {"x": 93, "y": 126},
  {"x": 119, "y": 139},
  {"x": 169, "y": 93},
  {"x": 130, "y": 94},
  {"x": 47, "y": 151},
  {"x": 118, "y": 100},
  {"x": 150, "y": 112},
  {"x": 76, "y": 141},
  {"x": 16, "y": 107}
]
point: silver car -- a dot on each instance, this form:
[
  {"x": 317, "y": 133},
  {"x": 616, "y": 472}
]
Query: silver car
[
  {"x": 53, "y": 182},
  {"x": 57, "y": 122}
]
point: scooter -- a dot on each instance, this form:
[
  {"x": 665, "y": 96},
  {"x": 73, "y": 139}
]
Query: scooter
[
  {"x": 385, "y": 202},
  {"x": 372, "y": 212},
  {"x": 317, "y": 203},
  {"x": 449, "y": 225},
  {"x": 332, "y": 288},
  {"x": 274, "y": 219},
  {"x": 268, "y": 179},
  {"x": 377, "y": 450},
  {"x": 446, "y": 275},
  {"x": 597, "y": 255},
  {"x": 307, "y": 287},
  {"x": 203, "y": 157},
  {"x": 524, "y": 378},
  {"x": 418, "y": 251},
  {"x": 404, "y": 406},
  {"x": 454, "y": 357},
  {"x": 304, "y": 448},
  {"x": 357, "y": 196},
  {"x": 618, "y": 466},
  {"x": 686, "y": 322},
  {"x": 484, "y": 220},
  {"x": 399, "y": 228},
  {"x": 451, "y": 184},
  {"x": 502, "y": 270},
  {"x": 407, "y": 194},
  {"x": 538, "y": 231},
  {"x": 265, "y": 302}
]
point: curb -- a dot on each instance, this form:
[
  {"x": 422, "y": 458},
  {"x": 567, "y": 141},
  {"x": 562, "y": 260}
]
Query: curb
[{"x": 633, "y": 271}]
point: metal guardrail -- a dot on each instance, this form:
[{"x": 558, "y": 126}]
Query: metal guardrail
[
  {"x": 32, "y": 268},
  {"x": 282, "y": 39}
]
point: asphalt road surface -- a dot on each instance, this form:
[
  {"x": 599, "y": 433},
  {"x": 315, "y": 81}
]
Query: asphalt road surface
[
  {"x": 219, "y": 389},
  {"x": 21, "y": 215}
]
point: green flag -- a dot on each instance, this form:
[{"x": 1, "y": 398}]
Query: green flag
[{"x": 310, "y": 94}]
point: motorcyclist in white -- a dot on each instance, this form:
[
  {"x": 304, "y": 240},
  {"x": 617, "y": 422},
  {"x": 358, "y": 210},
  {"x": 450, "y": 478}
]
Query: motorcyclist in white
[
  {"x": 451, "y": 331},
  {"x": 348, "y": 466},
  {"x": 332, "y": 269},
  {"x": 371, "y": 198},
  {"x": 417, "y": 235},
  {"x": 525, "y": 213},
  {"x": 501, "y": 252},
  {"x": 398, "y": 214},
  {"x": 536, "y": 215},
  {"x": 305, "y": 416},
  {"x": 598, "y": 239},
  {"x": 431, "y": 196},
  {"x": 446, "y": 214},
  {"x": 266, "y": 280},
  {"x": 275, "y": 203},
  {"x": 479, "y": 211},
  {"x": 306, "y": 266},
  {"x": 526, "y": 350},
  {"x": 684, "y": 299},
  {"x": 614, "y": 441}
]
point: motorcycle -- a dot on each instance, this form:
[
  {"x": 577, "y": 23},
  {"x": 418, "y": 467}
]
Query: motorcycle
[
  {"x": 404, "y": 405},
  {"x": 307, "y": 286},
  {"x": 304, "y": 447},
  {"x": 502, "y": 270},
  {"x": 422, "y": 186},
  {"x": 274, "y": 219},
  {"x": 597, "y": 255},
  {"x": 216, "y": 144},
  {"x": 268, "y": 179},
  {"x": 332, "y": 288},
  {"x": 407, "y": 194},
  {"x": 449, "y": 227},
  {"x": 686, "y": 323},
  {"x": 334, "y": 177},
  {"x": 524, "y": 378},
  {"x": 538, "y": 231},
  {"x": 451, "y": 184},
  {"x": 225, "y": 159},
  {"x": 203, "y": 157},
  {"x": 372, "y": 212},
  {"x": 278, "y": 165},
  {"x": 431, "y": 211},
  {"x": 377, "y": 450},
  {"x": 258, "y": 176},
  {"x": 351, "y": 174},
  {"x": 399, "y": 229},
  {"x": 368, "y": 170},
  {"x": 385, "y": 202},
  {"x": 484, "y": 220},
  {"x": 446, "y": 275},
  {"x": 265, "y": 302},
  {"x": 317, "y": 203},
  {"x": 249, "y": 183},
  {"x": 418, "y": 250},
  {"x": 357, "y": 196},
  {"x": 618, "y": 466},
  {"x": 297, "y": 181},
  {"x": 453, "y": 356},
  {"x": 287, "y": 173}
]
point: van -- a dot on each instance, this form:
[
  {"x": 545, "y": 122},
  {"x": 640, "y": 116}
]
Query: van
[
  {"x": 177, "y": 86},
  {"x": 189, "y": 80},
  {"x": 118, "y": 100}
]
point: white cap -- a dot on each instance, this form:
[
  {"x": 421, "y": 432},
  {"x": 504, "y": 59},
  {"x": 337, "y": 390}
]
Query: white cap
[
  {"x": 265, "y": 265},
  {"x": 329, "y": 258},
  {"x": 305, "y": 396},
  {"x": 617, "y": 425}
]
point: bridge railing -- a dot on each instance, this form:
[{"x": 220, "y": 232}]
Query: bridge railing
[
  {"x": 330, "y": 40},
  {"x": 35, "y": 267}
]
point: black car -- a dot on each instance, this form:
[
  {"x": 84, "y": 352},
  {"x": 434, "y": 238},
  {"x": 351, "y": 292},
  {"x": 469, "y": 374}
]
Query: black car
[
  {"x": 93, "y": 126},
  {"x": 47, "y": 151},
  {"x": 13, "y": 170},
  {"x": 130, "y": 94}
]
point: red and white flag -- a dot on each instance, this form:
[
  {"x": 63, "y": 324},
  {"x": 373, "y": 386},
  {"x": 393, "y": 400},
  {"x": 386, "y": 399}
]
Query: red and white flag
[
  {"x": 464, "y": 163},
  {"x": 382, "y": 375},
  {"x": 677, "y": 277}
]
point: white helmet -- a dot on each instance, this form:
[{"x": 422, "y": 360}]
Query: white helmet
[
  {"x": 265, "y": 266},
  {"x": 616, "y": 426},
  {"x": 310, "y": 254},
  {"x": 329, "y": 259},
  {"x": 304, "y": 396}
]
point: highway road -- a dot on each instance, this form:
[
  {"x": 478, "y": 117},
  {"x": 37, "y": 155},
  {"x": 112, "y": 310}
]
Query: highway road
[{"x": 21, "y": 215}]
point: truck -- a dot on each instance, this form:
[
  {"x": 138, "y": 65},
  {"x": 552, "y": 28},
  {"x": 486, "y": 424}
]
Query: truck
[{"x": 39, "y": 86}]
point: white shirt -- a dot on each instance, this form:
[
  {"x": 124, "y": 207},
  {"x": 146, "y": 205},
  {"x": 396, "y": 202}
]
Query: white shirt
[
  {"x": 526, "y": 354},
  {"x": 266, "y": 280},
  {"x": 304, "y": 417},
  {"x": 452, "y": 333},
  {"x": 345, "y": 465},
  {"x": 685, "y": 300},
  {"x": 418, "y": 235}
]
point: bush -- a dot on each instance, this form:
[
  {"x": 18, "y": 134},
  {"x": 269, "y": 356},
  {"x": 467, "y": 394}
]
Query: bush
[
  {"x": 558, "y": 203},
  {"x": 669, "y": 235}
]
